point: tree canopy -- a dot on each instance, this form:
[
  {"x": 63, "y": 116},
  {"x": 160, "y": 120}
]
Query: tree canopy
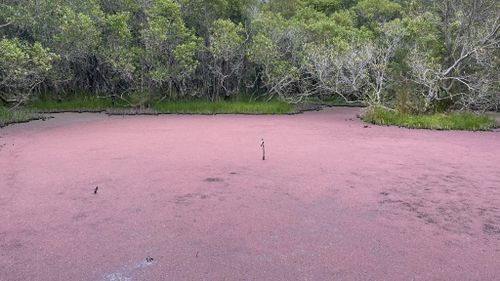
[{"x": 410, "y": 55}]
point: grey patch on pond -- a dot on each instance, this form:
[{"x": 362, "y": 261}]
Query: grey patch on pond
[
  {"x": 80, "y": 216},
  {"x": 491, "y": 229},
  {"x": 117, "y": 277},
  {"x": 184, "y": 199},
  {"x": 107, "y": 220},
  {"x": 129, "y": 271},
  {"x": 14, "y": 245},
  {"x": 187, "y": 199},
  {"x": 134, "y": 210},
  {"x": 233, "y": 173},
  {"x": 384, "y": 193},
  {"x": 214, "y": 180}
]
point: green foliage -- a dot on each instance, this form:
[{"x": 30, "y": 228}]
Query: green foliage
[
  {"x": 23, "y": 65},
  {"x": 325, "y": 6},
  {"x": 423, "y": 30},
  {"x": 117, "y": 29},
  {"x": 184, "y": 55},
  {"x": 378, "y": 10},
  {"x": 226, "y": 38},
  {"x": 167, "y": 40},
  {"x": 285, "y": 8},
  {"x": 200, "y": 14},
  {"x": 17, "y": 57},
  {"x": 226, "y": 45},
  {"x": 78, "y": 34},
  {"x": 278, "y": 72},
  {"x": 346, "y": 18},
  {"x": 116, "y": 50},
  {"x": 263, "y": 50},
  {"x": 439, "y": 121}
]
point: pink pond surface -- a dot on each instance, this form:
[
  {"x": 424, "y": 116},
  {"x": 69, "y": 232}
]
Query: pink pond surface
[{"x": 332, "y": 201}]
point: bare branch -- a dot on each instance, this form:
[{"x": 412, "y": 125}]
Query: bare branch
[{"x": 5, "y": 24}]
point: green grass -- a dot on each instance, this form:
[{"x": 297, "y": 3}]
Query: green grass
[
  {"x": 77, "y": 103},
  {"x": 16, "y": 116},
  {"x": 438, "y": 121},
  {"x": 91, "y": 103},
  {"x": 88, "y": 103},
  {"x": 206, "y": 107}
]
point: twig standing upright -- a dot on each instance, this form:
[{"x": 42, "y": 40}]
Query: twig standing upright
[{"x": 263, "y": 149}]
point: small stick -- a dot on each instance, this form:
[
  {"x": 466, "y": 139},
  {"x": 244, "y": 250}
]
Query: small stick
[
  {"x": 263, "y": 149},
  {"x": 95, "y": 190}
]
